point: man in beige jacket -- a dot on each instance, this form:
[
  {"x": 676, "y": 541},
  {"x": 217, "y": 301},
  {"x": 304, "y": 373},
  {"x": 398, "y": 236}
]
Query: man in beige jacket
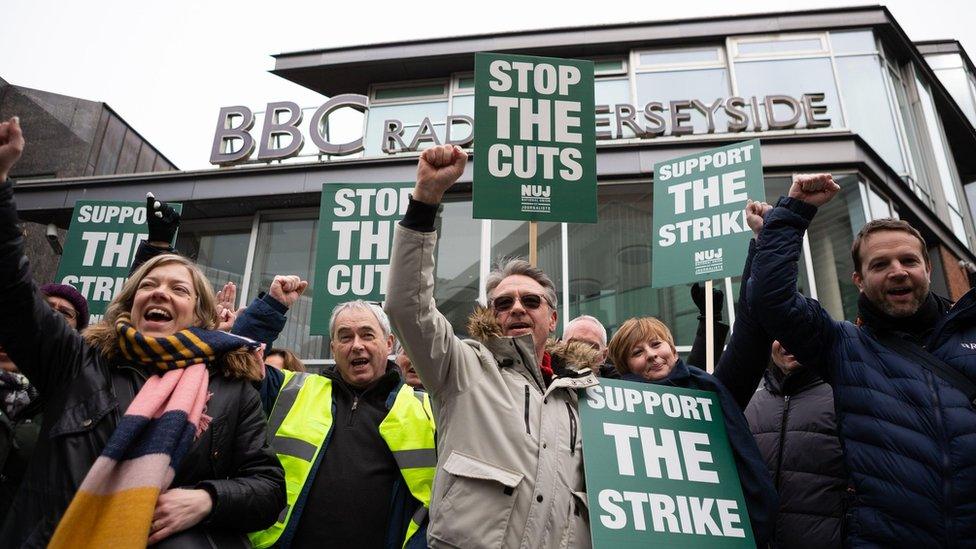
[{"x": 510, "y": 463}]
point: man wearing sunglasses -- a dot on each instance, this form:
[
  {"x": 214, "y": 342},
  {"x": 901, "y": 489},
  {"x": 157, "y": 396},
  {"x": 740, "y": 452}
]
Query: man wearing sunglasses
[{"x": 509, "y": 456}]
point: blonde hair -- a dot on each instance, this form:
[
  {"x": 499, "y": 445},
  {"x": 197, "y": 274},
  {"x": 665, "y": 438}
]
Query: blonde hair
[
  {"x": 102, "y": 336},
  {"x": 633, "y": 332}
]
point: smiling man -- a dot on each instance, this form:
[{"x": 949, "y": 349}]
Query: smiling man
[
  {"x": 356, "y": 442},
  {"x": 900, "y": 376},
  {"x": 510, "y": 459}
]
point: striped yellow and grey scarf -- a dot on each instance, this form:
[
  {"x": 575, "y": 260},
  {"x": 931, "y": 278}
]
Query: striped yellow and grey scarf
[{"x": 114, "y": 505}]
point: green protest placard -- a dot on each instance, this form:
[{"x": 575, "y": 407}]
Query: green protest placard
[
  {"x": 700, "y": 230},
  {"x": 101, "y": 244},
  {"x": 534, "y": 139},
  {"x": 355, "y": 234},
  {"x": 659, "y": 468}
]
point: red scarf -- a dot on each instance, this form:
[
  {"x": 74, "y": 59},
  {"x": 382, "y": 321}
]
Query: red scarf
[{"x": 546, "y": 366}]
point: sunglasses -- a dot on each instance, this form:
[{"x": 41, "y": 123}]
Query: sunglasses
[{"x": 503, "y": 303}]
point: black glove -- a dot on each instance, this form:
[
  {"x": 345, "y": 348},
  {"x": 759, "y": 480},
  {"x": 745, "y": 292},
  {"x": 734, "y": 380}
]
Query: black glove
[
  {"x": 162, "y": 220},
  {"x": 698, "y": 296}
]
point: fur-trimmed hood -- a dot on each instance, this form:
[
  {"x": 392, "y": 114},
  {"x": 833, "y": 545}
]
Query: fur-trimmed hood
[{"x": 483, "y": 327}]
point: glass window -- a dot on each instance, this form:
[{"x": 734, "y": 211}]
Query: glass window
[
  {"x": 793, "y": 77},
  {"x": 830, "y": 236},
  {"x": 869, "y": 111},
  {"x": 942, "y": 159},
  {"x": 511, "y": 239},
  {"x": 411, "y": 116},
  {"x": 463, "y": 104},
  {"x": 920, "y": 183},
  {"x": 458, "y": 263},
  {"x": 958, "y": 84},
  {"x": 773, "y": 46},
  {"x": 286, "y": 245},
  {"x": 610, "y": 266},
  {"x": 221, "y": 254},
  {"x": 465, "y": 82},
  {"x": 614, "y": 91},
  {"x": 609, "y": 66},
  {"x": 409, "y": 91},
  {"x": 944, "y": 60},
  {"x": 681, "y": 56},
  {"x": 880, "y": 207},
  {"x": 705, "y": 85},
  {"x": 861, "y": 41}
]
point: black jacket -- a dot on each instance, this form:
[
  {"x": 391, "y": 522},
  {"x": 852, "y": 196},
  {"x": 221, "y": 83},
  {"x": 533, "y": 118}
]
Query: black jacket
[
  {"x": 83, "y": 396},
  {"x": 792, "y": 419}
]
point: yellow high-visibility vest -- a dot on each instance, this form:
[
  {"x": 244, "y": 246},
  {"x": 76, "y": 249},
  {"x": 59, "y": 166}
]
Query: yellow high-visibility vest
[{"x": 299, "y": 426}]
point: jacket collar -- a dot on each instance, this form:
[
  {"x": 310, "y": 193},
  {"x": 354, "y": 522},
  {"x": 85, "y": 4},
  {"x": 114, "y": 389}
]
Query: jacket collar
[
  {"x": 779, "y": 383},
  {"x": 571, "y": 361}
]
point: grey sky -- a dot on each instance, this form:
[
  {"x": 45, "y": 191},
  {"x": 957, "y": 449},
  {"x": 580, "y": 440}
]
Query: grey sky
[{"x": 168, "y": 67}]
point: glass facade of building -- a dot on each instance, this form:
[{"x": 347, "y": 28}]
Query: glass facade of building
[{"x": 604, "y": 269}]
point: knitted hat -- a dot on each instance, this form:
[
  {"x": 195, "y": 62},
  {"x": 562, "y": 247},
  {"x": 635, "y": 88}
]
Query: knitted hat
[{"x": 69, "y": 293}]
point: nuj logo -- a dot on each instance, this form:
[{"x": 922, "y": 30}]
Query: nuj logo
[
  {"x": 706, "y": 255},
  {"x": 536, "y": 190},
  {"x": 970, "y": 346}
]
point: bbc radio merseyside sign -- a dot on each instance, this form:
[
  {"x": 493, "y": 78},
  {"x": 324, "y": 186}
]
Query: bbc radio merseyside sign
[
  {"x": 700, "y": 229},
  {"x": 659, "y": 468},
  {"x": 101, "y": 244},
  {"x": 355, "y": 234},
  {"x": 534, "y": 140}
]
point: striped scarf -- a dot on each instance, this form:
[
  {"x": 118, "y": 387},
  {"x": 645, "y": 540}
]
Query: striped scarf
[{"x": 114, "y": 505}]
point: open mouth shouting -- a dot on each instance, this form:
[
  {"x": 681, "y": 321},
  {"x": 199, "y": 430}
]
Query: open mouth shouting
[
  {"x": 155, "y": 317},
  {"x": 518, "y": 328},
  {"x": 359, "y": 364}
]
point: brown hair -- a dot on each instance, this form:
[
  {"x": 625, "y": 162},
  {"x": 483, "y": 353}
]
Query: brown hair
[
  {"x": 632, "y": 332},
  {"x": 290, "y": 360},
  {"x": 885, "y": 224},
  {"x": 103, "y": 336}
]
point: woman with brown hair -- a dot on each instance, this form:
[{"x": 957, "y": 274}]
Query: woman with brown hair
[
  {"x": 283, "y": 359},
  {"x": 643, "y": 350},
  {"x": 151, "y": 426}
]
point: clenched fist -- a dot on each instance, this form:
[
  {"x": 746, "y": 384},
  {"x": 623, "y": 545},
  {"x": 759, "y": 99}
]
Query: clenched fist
[
  {"x": 816, "y": 189},
  {"x": 438, "y": 168},
  {"x": 287, "y": 289},
  {"x": 756, "y": 215},
  {"x": 11, "y": 145}
]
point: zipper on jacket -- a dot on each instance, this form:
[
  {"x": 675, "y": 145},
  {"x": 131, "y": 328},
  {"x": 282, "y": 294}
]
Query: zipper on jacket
[
  {"x": 527, "y": 430},
  {"x": 572, "y": 431},
  {"x": 782, "y": 438},
  {"x": 946, "y": 465},
  {"x": 355, "y": 404}
]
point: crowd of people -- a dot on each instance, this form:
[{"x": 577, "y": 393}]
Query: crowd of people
[{"x": 175, "y": 421}]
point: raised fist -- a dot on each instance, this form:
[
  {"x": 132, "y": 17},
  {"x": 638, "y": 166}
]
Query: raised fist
[
  {"x": 162, "y": 221},
  {"x": 756, "y": 215},
  {"x": 286, "y": 289},
  {"x": 438, "y": 168},
  {"x": 11, "y": 145},
  {"x": 814, "y": 188}
]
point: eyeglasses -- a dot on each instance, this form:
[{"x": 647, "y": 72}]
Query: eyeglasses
[{"x": 503, "y": 303}]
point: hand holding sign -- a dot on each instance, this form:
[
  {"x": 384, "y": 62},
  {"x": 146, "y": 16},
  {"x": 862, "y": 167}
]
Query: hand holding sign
[
  {"x": 286, "y": 289},
  {"x": 11, "y": 145},
  {"x": 439, "y": 167},
  {"x": 816, "y": 189}
]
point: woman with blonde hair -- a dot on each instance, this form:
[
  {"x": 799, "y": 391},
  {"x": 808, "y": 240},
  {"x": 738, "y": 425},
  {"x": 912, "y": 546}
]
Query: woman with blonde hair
[
  {"x": 643, "y": 350},
  {"x": 151, "y": 426}
]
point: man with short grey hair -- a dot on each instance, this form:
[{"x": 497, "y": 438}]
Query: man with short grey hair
[
  {"x": 357, "y": 443},
  {"x": 510, "y": 462},
  {"x": 588, "y": 330}
]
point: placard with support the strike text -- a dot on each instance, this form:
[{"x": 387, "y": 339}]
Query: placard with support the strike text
[
  {"x": 659, "y": 468},
  {"x": 355, "y": 233},
  {"x": 700, "y": 229},
  {"x": 99, "y": 249},
  {"x": 534, "y": 139}
]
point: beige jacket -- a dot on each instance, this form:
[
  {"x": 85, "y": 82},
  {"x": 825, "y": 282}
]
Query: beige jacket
[{"x": 510, "y": 461}]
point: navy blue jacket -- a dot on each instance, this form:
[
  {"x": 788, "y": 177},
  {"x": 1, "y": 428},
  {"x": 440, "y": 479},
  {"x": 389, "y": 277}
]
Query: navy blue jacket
[
  {"x": 757, "y": 487},
  {"x": 909, "y": 437}
]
